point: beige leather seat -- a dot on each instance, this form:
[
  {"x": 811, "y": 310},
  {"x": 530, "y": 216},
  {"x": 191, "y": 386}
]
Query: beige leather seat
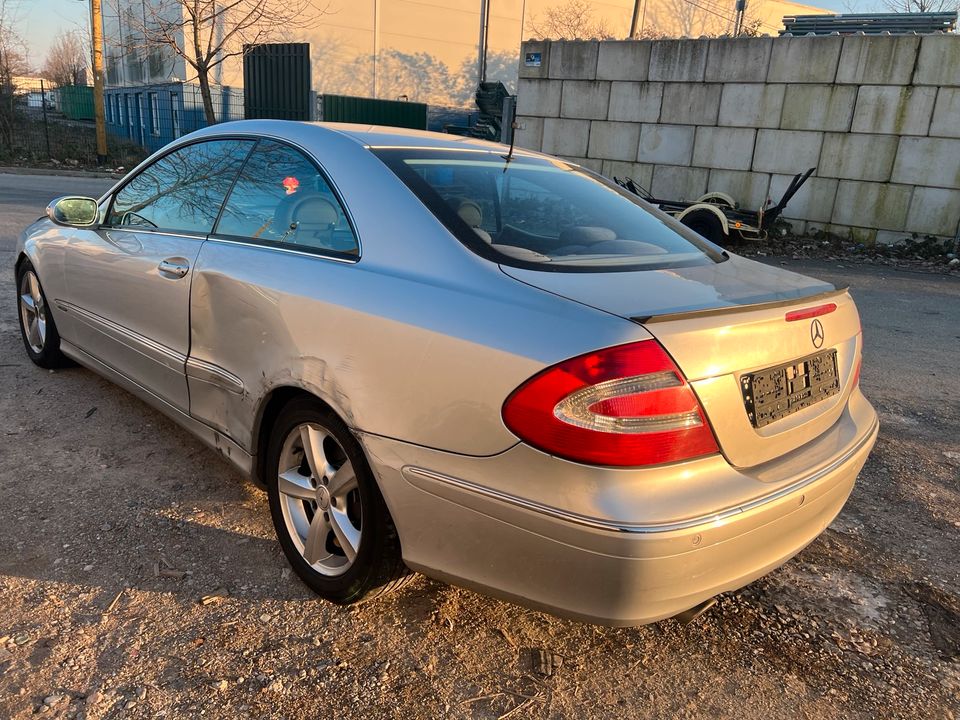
[
  {"x": 307, "y": 219},
  {"x": 472, "y": 215}
]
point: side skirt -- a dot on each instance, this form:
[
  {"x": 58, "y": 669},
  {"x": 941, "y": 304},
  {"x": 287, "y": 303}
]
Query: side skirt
[{"x": 230, "y": 450}]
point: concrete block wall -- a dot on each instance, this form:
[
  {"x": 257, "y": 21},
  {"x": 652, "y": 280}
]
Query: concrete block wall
[{"x": 878, "y": 116}]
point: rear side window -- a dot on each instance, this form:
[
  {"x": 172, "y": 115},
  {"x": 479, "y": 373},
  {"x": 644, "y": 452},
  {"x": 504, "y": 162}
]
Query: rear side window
[
  {"x": 183, "y": 190},
  {"x": 281, "y": 198},
  {"x": 544, "y": 214}
]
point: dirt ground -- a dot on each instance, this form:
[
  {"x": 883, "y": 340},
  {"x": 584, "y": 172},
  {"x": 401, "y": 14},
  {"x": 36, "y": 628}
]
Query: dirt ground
[{"x": 114, "y": 524}]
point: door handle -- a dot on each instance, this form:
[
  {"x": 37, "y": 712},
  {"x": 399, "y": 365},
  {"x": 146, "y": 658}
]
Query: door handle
[{"x": 174, "y": 267}]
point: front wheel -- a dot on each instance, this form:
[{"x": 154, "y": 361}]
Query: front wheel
[
  {"x": 327, "y": 510},
  {"x": 37, "y": 328}
]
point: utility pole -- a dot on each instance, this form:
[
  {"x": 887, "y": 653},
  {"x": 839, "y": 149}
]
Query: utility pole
[
  {"x": 634, "y": 21},
  {"x": 738, "y": 18},
  {"x": 376, "y": 48},
  {"x": 96, "y": 32},
  {"x": 482, "y": 43},
  {"x": 638, "y": 18}
]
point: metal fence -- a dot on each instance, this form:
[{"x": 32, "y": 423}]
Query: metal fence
[
  {"x": 151, "y": 116},
  {"x": 51, "y": 126},
  {"x": 43, "y": 125}
]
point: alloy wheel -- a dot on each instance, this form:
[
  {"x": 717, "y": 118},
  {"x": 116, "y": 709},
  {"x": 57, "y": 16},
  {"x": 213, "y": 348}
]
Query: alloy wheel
[
  {"x": 320, "y": 499},
  {"x": 33, "y": 311}
]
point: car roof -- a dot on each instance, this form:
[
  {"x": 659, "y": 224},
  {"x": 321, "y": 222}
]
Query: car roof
[
  {"x": 372, "y": 136},
  {"x": 383, "y": 136}
]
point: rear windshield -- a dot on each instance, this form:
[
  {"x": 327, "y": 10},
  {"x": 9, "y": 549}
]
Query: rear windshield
[{"x": 544, "y": 214}]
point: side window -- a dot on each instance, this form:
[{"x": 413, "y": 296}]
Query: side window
[
  {"x": 281, "y": 198},
  {"x": 154, "y": 113},
  {"x": 182, "y": 191},
  {"x": 175, "y": 113}
]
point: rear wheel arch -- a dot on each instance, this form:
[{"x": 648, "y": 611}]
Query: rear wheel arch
[
  {"x": 351, "y": 550},
  {"x": 269, "y": 410}
]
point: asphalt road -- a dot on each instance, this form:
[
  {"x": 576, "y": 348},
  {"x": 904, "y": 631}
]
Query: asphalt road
[
  {"x": 114, "y": 523},
  {"x": 24, "y": 197}
]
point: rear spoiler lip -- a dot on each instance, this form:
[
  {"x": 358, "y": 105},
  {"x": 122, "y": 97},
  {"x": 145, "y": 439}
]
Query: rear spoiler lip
[{"x": 732, "y": 309}]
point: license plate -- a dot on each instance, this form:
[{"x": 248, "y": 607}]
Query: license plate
[{"x": 776, "y": 392}]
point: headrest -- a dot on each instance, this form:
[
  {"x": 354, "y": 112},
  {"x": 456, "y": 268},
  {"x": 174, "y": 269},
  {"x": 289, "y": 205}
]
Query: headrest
[
  {"x": 313, "y": 210},
  {"x": 470, "y": 213}
]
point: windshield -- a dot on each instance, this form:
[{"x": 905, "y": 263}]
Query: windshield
[{"x": 543, "y": 213}]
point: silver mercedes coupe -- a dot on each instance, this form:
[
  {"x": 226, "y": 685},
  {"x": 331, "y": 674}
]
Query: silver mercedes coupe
[{"x": 449, "y": 356}]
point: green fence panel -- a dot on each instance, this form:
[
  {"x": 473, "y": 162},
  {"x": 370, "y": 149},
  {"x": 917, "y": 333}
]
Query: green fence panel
[
  {"x": 276, "y": 81},
  {"x": 76, "y": 102},
  {"x": 395, "y": 113}
]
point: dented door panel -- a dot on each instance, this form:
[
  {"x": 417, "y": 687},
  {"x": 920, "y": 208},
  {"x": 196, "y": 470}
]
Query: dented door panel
[{"x": 393, "y": 355}]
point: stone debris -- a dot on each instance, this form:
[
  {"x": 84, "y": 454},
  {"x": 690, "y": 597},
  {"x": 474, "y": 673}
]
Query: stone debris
[
  {"x": 546, "y": 662},
  {"x": 926, "y": 254},
  {"x": 215, "y": 596}
]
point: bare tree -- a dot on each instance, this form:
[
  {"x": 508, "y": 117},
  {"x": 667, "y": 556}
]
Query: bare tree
[
  {"x": 13, "y": 51},
  {"x": 66, "y": 62},
  {"x": 573, "y": 19},
  {"x": 13, "y": 63},
  {"x": 678, "y": 18},
  {"x": 418, "y": 77},
  {"x": 206, "y": 33},
  {"x": 501, "y": 65},
  {"x": 911, "y": 6},
  {"x": 327, "y": 53},
  {"x": 699, "y": 18},
  {"x": 651, "y": 32},
  {"x": 753, "y": 24}
]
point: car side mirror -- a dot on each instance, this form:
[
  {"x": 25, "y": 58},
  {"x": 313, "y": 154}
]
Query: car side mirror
[{"x": 74, "y": 211}]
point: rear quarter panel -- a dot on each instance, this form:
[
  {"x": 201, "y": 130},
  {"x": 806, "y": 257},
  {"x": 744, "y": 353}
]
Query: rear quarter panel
[{"x": 414, "y": 357}]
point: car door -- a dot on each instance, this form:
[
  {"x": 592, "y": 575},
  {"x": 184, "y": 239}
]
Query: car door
[
  {"x": 283, "y": 234},
  {"x": 128, "y": 282}
]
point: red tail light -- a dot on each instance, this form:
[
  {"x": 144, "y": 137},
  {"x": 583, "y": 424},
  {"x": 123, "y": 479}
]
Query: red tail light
[{"x": 625, "y": 406}]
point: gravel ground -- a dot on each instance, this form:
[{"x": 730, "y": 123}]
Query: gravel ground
[
  {"x": 116, "y": 527},
  {"x": 916, "y": 254}
]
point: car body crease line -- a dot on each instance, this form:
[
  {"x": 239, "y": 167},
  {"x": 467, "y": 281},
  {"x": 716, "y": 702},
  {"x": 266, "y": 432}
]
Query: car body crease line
[{"x": 643, "y": 529}]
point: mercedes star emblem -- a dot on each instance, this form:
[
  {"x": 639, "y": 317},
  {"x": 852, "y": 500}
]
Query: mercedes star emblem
[{"x": 816, "y": 333}]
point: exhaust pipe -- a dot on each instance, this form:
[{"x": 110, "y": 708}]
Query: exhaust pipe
[{"x": 688, "y": 616}]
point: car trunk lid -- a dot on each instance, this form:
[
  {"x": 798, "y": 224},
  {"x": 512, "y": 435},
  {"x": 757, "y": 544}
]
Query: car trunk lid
[{"x": 726, "y": 326}]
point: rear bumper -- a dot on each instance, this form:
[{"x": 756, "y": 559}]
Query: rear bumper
[{"x": 469, "y": 522}]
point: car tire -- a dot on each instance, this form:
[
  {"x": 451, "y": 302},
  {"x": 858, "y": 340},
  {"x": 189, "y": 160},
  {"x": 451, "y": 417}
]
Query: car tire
[
  {"x": 37, "y": 328},
  {"x": 706, "y": 224},
  {"x": 327, "y": 510}
]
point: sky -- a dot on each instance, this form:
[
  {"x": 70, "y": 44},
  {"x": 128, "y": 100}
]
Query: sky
[{"x": 41, "y": 20}]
